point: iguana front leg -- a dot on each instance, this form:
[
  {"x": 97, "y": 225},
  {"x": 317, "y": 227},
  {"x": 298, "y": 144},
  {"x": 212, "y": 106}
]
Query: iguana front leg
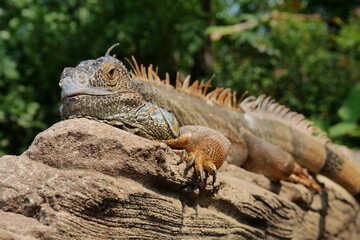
[{"x": 206, "y": 149}]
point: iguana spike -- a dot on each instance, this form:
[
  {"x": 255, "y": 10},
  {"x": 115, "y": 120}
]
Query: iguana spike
[
  {"x": 234, "y": 99},
  {"x": 205, "y": 86},
  {"x": 177, "y": 81},
  {"x": 186, "y": 82},
  {"x": 219, "y": 96},
  {"x": 111, "y": 48},
  {"x": 222, "y": 95},
  {"x": 167, "y": 79},
  {"x": 150, "y": 73},
  {"x": 194, "y": 87},
  {"x": 265, "y": 106},
  {"x": 213, "y": 94},
  {"x": 242, "y": 97}
]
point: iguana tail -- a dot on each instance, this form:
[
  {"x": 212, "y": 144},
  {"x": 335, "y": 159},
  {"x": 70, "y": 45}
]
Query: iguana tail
[{"x": 341, "y": 170}]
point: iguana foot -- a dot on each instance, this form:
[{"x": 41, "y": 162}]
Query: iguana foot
[
  {"x": 203, "y": 167},
  {"x": 202, "y": 148},
  {"x": 299, "y": 175}
]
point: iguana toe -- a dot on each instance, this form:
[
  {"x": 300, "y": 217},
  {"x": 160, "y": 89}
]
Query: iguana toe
[{"x": 299, "y": 175}]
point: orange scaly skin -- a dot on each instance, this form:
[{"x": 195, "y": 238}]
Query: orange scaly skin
[{"x": 206, "y": 147}]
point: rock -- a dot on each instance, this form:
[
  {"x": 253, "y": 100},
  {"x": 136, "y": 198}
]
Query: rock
[{"x": 81, "y": 179}]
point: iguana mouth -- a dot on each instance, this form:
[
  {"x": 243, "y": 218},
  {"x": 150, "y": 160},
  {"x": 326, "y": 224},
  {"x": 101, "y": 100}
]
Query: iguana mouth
[{"x": 76, "y": 94}]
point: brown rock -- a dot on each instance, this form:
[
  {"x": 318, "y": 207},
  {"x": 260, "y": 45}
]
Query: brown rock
[{"x": 81, "y": 179}]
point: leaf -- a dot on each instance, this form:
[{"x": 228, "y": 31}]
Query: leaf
[
  {"x": 344, "y": 128},
  {"x": 350, "y": 110}
]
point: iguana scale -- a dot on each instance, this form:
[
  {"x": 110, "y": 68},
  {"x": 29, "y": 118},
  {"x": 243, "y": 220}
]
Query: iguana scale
[{"x": 264, "y": 137}]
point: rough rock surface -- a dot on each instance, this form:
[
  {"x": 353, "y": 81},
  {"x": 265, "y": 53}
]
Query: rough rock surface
[{"x": 81, "y": 179}]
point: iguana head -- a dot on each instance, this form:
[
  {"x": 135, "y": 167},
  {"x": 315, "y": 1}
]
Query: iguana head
[
  {"x": 103, "y": 76},
  {"x": 102, "y": 89}
]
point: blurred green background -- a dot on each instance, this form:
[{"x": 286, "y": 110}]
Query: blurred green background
[{"x": 306, "y": 54}]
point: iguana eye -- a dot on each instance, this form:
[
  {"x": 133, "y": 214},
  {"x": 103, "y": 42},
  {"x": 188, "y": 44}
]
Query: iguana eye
[{"x": 111, "y": 73}]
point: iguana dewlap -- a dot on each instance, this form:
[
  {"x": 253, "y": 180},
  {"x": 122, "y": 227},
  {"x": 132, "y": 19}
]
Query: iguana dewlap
[{"x": 260, "y": 131}]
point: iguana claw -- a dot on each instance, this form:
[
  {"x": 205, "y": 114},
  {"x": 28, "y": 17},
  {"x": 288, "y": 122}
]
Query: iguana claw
[
  {"x": 189, "y": 164},
  {"x": 214, "y": 177}
]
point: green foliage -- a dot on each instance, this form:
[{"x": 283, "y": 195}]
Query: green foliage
[
  {"x": 38, "y": 38},
  {"x": 349, "y": 113},
  {"x": 290, "y": 60},
  {"x": 350, "y": 110},
  {"x": 344, "y": 128},
  {"x": 307, "y": 63}
]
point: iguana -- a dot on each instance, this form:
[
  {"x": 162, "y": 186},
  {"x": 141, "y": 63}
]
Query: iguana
[{"x": 259, "y": 134}]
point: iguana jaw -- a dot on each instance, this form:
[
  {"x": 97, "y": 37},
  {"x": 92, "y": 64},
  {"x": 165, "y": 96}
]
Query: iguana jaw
[{"x": 101, "y": 106}]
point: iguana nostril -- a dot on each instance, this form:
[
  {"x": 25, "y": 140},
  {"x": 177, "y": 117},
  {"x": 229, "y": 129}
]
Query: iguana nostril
[{"x": 66, "y": 72}]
